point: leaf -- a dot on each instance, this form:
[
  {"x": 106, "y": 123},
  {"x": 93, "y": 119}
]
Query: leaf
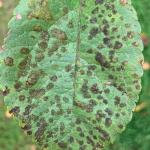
[
  {"x": 137, "y": 134},
  {"x": 71, "y": 70}
]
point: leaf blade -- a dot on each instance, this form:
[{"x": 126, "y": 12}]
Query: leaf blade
[{"x": 74, "y": 78}]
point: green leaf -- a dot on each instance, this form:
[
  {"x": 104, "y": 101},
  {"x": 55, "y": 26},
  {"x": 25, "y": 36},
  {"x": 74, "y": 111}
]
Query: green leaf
[
  {"x": 71, "y": 70},
  {"x": 137, "y": 134}
]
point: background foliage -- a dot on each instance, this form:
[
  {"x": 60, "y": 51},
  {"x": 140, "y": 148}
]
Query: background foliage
[{"x": 137, "y": 134}]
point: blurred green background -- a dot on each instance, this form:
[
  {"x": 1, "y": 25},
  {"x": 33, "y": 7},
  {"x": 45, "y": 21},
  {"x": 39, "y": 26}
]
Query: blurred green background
[{"x": 137, "y": 134}]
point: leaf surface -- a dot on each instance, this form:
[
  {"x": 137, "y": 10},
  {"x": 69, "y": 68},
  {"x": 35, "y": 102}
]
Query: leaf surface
[{"x": 71, "y": 70}]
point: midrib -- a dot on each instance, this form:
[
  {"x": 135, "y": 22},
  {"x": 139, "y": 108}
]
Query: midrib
[{"x": 77, "y": 52}]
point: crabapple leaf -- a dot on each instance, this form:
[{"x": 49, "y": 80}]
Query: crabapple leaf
[{"x": 71, "y": 70}]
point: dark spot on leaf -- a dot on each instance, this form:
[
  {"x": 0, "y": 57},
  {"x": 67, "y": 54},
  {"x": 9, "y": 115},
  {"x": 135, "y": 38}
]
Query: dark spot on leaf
[
  {"x": 63, "y": 49},
  {"x": 78, "y": 120},
  {"x": 15, "y": 110},
  {"x": 95, "y": 89},
  {"x": 39, "y": 57},
  {"x": 110, "y": 113},
  {"x": 99, "y": 1},
  {"x": 118, "y": 45},
  {"x": 89, "y": 108},
  {"x": 84, "y": 90},
  {"x": 65, "y": 99},
  {"x": 43, "y": 45},
  {"x": 107, "y": 41},
  {"x": 9, "y": 61},
  {"x": 23, "y": 64},
  {"x": 107, "y": 91},
  {"x": 122, "y": 104},
  {"x": 33, "y": 78},
  {"x": 50, "y": 86},
  {"x": 120, "y": 126},
  {"x": 93, "y": 20},
  {"x": 37, "y": 28},
  {"x": 62, "y": 145},
  {"x": 24, "y": 50},
  {"x": 108, "y": 122},
  {"x": 71, "y": 139},
  {"x": 17, "y": 85},
  {"x": 54, "y": 48},
  {"x": 117, "y": 100},
  {"x": 21, "y": 98},
  {"x": 65, "y": 10},
  {"x": 37, "y": 93},
  {"x": 91, "y": 67},
  {"x": 54, "y": 78},
  {"x": 93, "y": 32},
  {"x": 95, "y": 10},
  {"x": 102, "y": 60},
  {"x": 44, "y": 36},
  {"x": 29, "y": 132},
  {"x": 59, "y": 34},
  {"x": 26, "y": 127},
  {"x": 6, "y": 91}
]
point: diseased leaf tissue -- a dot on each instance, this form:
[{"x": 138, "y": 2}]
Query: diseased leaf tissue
[{"x": 71, "y": 70}]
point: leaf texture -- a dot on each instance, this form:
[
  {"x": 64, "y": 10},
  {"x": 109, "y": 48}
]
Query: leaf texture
[{"x": 71, "y": 70}]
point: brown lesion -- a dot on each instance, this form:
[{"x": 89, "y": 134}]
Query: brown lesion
[
  {"x": 34, "y": 77},
  {"x": 85, "y": 90},
  {"x": 102, "y": 60},
  {"x": 15, "y": 110},
  {"x": 37, "y": 93},
  {"x": 5, "y": 92},
  {"x": 59, "y": 34},
  {"x": 80, "y": 105},
  {"x": 85, "y": 107},
  {"x": 40, "y": 10},
  {"x": 9, "y": 61}
]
